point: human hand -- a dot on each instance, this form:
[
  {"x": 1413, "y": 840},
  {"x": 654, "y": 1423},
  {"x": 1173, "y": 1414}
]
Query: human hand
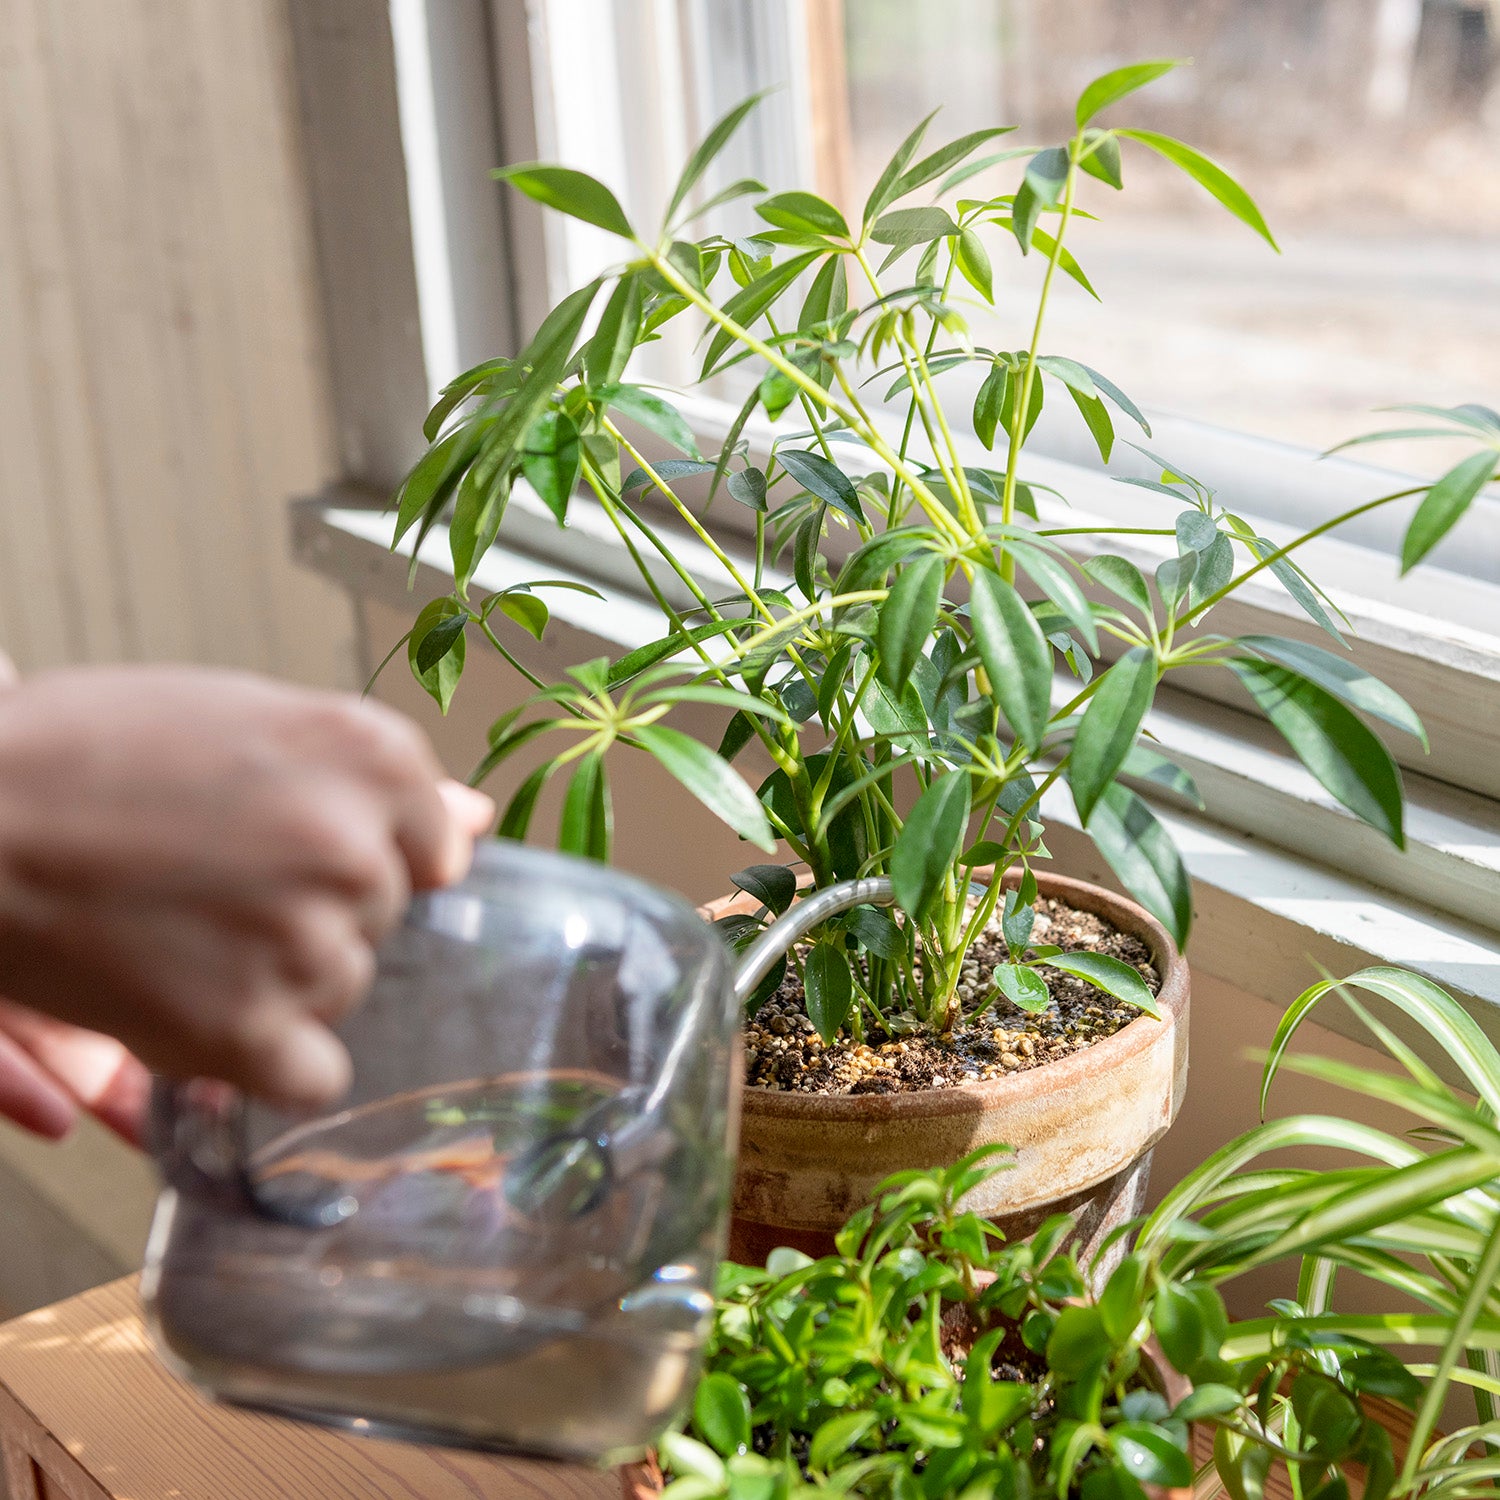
[
  {"x": 50, "y": 1071},
  {"x": 201, "y": 864}
]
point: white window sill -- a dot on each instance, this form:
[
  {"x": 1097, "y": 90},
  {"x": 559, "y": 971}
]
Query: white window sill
[{"x": 1271, "y": 859}]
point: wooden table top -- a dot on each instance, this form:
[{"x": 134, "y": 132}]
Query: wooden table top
[{"x": 87, "y": 1412}]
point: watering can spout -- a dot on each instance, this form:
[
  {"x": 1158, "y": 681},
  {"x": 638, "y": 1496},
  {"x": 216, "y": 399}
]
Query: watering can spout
[{"x": 777, "y": 940}]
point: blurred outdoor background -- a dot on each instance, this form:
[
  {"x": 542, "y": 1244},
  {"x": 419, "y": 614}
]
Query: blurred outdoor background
[{"x": 1367, "y": 130}]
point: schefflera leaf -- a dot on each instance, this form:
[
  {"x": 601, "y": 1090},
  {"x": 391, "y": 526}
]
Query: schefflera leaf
[{"x": 1331, "y": 741}]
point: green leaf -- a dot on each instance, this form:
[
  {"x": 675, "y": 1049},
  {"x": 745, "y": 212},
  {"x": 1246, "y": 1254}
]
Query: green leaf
[
  {"x": 1174, "y": 577},
  {"x": 517, "y": 817},
  {"x": 936, "y": 163},
  {"x": 752, "y": 301},
  {"x": 1047, "y": 175},
  {"x": 738, "y": 733},
  {"x": 974, "y": 264},
  {"x": 803, "y": 211},
  {"x": 687, "y": 1456},
  {"x": 1209, "y": 1400},
  {"x": 1077, "y": 1343},
  {"x": 907, "y": 618},
  {"x": 1066, "y": 260},
  {"x": 929, "y": 843},
  {"x": 1341, "y": 677},
  {"x": 1445, "y": 502},
  {"x": 748, "y": 486},
  {"x": 1015, "y": 654},
  {"x": 1121, "y": 1301},
  {"x": 1149, "y": 1455},
  {"x": 667, "y": 469},
  {"x": 571, "y": 192},
  {"x": 1022, "y": 986},
  {"x": 529, "y": 612},
  {"x": 905, "y": 227},
  {"x": 1115, "y": 394},
  {"x": 876, "y": 930},
  {"x": 828, "y": 296},
  {"x": 435, "y": 649},
  {"x": 887, "y": 189},
  {"x": 720, "y": 788},
  {"x": 840, "y": 1435},
  {"x": 1145, "y": 764},
  {"x": 608, "y": 352},
  {"x": 708, "y": 149},
  {"x": 1098, "y": 420},
  {"x": 1141, "y": 852},
  {"x": 989, "y": 403},
  {"x": 897, "y": 714},
  {"x": 1101, "y": 158},
  {"x": 655, "y": 414},
  {"x": 1122, "y": 578},
  {"x": 1025, "y": 210},
  {"x": 633, "y": 663},
  {"x": 1051, "y": 575},
  {"x": 432, "y": 478},
  {"x": 823, "y": 479},
  {"x": 550, "y": 459},
  {"x": 1112, "y": 975},
  {"x": 1208, "y": 175},
  {"x": 458, "y": 390},
  {"x": 829, "y": 988},
  {"x": 1109, "y": 727},
  {"x": 721, "y": 1413},
  {"x": 1287, "y": 574},
  {"x": 477, "y": 514},
  {"x": 1190, "y": 1322},
  {"x": 774, "y": 886},
  {"x": 547, "y": 356},
  {"x": 587, "y": 821},
  {"x": 1111, "y": 87},
  {"x": 1345, "y": 756},
  {"x": 1438, "y": 1014}
]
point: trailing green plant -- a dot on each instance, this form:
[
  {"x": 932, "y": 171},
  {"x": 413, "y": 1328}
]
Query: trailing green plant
[
  {"x": 935, "y": 660},
  {"x": 928, "y": 1358}
]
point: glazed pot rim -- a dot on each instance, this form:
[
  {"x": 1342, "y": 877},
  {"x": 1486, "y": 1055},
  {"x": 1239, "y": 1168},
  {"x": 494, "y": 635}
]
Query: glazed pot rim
[{"x": 1129, "y": 1044}]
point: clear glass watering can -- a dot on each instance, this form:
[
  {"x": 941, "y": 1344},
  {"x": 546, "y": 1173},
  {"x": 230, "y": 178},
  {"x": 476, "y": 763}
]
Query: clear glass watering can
[{"x": 507, "y": 1233}]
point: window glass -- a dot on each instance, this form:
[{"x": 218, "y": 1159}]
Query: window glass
[{"x": 1366, "y": 129}]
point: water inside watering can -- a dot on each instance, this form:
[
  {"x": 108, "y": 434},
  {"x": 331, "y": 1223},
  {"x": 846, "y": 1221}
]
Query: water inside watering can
[{"x": 428, "y": 1294}]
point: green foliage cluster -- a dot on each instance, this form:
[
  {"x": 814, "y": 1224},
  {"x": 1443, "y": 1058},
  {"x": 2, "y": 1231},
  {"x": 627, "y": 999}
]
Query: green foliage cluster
[
  {"x": 841, "y": 1376},
  {"x": 935, "y": 659}
]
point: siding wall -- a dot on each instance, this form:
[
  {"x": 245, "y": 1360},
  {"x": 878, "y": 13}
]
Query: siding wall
[{"x": 163, "y": 387}]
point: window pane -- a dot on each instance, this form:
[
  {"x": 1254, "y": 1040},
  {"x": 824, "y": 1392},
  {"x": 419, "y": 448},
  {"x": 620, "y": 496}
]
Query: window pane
[{"x": 1367, "y": 131}]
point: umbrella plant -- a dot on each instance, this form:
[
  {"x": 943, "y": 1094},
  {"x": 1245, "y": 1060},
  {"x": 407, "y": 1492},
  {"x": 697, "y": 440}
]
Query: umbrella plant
[{"x": 911, "y": 644}]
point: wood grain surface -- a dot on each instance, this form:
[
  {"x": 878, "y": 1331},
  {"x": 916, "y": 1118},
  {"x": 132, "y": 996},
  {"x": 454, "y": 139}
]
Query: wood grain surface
[{"x": 87, "y": 1412}]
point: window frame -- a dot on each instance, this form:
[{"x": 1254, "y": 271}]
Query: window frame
[{"x": 507, "y": 110}]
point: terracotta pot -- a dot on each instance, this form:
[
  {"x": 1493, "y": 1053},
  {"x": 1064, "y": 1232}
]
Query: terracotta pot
[{"x": 1082, "y": 1127}]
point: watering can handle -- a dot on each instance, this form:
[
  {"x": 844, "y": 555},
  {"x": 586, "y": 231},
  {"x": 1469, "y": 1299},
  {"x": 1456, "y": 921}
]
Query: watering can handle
[{"x": 776, "y": 941}]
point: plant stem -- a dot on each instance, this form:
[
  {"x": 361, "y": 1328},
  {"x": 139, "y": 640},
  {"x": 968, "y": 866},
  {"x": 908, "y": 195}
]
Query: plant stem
[
  {"x": 856, "y": 420},
  {"x": 1307, "y": 536},
  {"x": 499, "y": 646},
  {"x": 1022, "y": 408}
]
